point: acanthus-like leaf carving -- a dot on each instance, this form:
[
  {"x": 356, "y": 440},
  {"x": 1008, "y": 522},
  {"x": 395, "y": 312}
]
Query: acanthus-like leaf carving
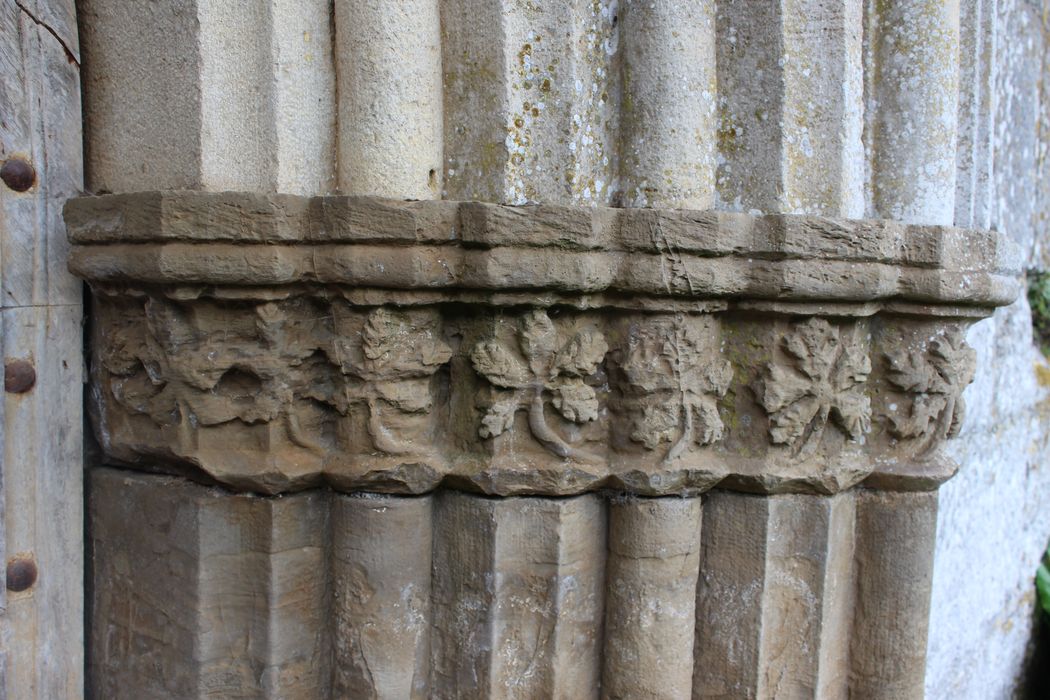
[
  {"x": 196, "y": 369},
  {"x": 934, "y": 378},
  {"x": 822, "y": 380},
  {"x": 397, "y": 358},
  {"x": 541, "y": 368},
  {"x": 675, "y": 376}
]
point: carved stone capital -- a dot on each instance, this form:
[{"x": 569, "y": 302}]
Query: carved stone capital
[{"x": 274, "y": 343}]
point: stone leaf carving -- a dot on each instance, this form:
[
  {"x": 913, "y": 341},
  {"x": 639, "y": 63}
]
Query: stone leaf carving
[
  {"x": 195, "y": 368},
  {"x": 542, "y": 367},
  {"x": 170, "y": 369},
  {"x": 675, "y": 376},
  {"x": 398, "y": 355},
  {"x": 822, "y": 380},
  {"x": 934, "y": 379}
]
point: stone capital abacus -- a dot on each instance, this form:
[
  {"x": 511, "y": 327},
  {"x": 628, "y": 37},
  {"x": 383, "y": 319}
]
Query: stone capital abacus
[{"x": 274, "y": 343}]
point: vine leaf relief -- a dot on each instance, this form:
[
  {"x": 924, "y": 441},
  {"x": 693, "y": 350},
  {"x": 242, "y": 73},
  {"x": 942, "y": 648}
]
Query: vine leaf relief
[
  {"x": 200, "y": 366},
  {"x": 823, "y": 380},
  {"x": 540, "y": 368},
  {"x": 677, "y": 378},
  {"x": 935, "y": 379},
  {"x": 396, "y": 362}
]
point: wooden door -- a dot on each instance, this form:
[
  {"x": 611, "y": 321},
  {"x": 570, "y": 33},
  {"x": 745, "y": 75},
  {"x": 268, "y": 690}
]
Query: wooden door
[{"x": 41, "y": 437}]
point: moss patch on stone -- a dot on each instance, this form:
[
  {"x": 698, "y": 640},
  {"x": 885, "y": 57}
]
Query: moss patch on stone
[{"x": 1039, "y": 300}]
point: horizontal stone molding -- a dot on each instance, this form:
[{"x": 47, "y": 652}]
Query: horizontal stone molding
[
  {"x": 456, "y": 247},
  {"x": 216, "y": 353}
]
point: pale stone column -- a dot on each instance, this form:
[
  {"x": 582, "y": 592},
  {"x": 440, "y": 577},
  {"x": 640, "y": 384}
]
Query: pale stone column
[
  {"x": 979, "y": 34},
  {"x": 209, "y": 94},
  {"x": 791, "y": 111},
  {"x": 913, "y": 87},
  {"x": 669, "y": 98},
  {"x": 531, "y": 100},
  {"x": 388, "y": 63}
]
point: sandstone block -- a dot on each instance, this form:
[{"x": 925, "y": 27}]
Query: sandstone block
[
  {"x": 773, "y": 602},
  {"x": 896, "y": 534},
  {"x": 517, "y": 597},
  {"x": 203, "y": 594},
  {"x": 380, "y": 564}
]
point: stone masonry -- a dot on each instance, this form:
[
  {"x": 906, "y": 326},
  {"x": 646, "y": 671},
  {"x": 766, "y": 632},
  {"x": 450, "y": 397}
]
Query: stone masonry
[{"x": 548, "y": 349}]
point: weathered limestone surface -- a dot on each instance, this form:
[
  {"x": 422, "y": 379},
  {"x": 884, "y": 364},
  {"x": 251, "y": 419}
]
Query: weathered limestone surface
[
  {"x": 832, "y": 351},
  {"x": 790, "y": 100},
  {"x": 980, "y": 626},
  {"x": 320, "y": 595},
  {"x": 532, "y": 95},
  {"x": 388, "y": 63},
  {"x": 834, "y": 107},
  {"x": 775, "y": 597},
  {"x": 912, "y": 50},
  {"x": 617, "y": 376},
  {"x": 669, "y": 115},
  {"x": 209, "y": 94}
]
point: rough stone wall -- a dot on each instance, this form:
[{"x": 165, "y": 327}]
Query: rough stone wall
[{"x": 994, "y": 520}]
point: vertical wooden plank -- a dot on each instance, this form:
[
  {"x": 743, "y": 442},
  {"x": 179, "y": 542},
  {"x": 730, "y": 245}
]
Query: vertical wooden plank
[{"x": 41, "y": 631}]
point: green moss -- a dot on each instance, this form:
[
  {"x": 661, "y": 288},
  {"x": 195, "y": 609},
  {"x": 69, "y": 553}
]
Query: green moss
[{"x": 1039, "y": 300}]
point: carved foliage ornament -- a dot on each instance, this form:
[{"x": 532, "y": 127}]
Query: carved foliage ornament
[
  {"x": 184, "y": 369},
  {"x": 394, "y": 367},
  {"x": 822, "y": 381},
  {"x": 380, "y": 391},
  {"x": 934, "y": 378},
  {"x": 543, "y": 367},
  {"x": 675, "y": 376}
]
